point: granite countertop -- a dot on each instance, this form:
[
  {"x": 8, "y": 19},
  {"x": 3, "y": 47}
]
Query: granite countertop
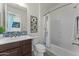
[{"x": 6, "y": 40}]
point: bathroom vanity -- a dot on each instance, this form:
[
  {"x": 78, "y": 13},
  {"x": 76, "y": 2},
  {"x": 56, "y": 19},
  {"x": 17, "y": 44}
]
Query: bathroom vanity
[
  {"x": 16, "y": 46},
  {"x": 15, "y": 21}
]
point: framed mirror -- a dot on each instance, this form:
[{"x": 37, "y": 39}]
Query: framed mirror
[{"x": 15, "y": 17}]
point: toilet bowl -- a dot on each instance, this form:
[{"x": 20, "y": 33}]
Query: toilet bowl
[{"x": 39, "y": 50}]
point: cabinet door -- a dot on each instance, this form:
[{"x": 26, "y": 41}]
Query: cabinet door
[
  {"x": 27, "y": 47},
  {"x": 8, "y": 46}
]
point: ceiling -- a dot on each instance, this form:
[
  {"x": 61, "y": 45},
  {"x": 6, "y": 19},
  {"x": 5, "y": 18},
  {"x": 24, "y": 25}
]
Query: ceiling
[{"x": 45, "y": 6}]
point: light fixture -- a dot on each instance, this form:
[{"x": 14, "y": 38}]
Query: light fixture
[
  {"x": 21, "y": 4},
  {"x": 76, "y": 5}
]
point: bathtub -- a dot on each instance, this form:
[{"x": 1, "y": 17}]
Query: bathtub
[{"x": 55, "y": 50}]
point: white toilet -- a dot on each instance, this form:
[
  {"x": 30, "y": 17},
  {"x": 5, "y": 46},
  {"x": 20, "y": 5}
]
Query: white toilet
[{"x": 39, "y": 49}]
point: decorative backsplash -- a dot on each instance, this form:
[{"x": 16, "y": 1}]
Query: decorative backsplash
[
  {"x": 12, "y": 34},
  {"x": 34, "y": 24}
]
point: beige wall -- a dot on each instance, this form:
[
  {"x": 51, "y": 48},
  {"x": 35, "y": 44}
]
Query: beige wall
[{"x": 34, "y": 9}]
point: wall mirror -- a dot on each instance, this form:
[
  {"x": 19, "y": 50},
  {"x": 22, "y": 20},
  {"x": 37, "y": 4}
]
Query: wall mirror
[{"x": 14, "y": 17}]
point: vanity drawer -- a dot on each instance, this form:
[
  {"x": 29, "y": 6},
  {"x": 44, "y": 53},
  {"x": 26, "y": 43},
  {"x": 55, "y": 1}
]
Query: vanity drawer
[
  {"x": 27, "y": 42},
  {"x": 8, "y": 46}
]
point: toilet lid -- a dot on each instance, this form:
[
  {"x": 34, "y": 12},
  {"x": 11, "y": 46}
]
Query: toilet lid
[{"x": 40, "y": 46}]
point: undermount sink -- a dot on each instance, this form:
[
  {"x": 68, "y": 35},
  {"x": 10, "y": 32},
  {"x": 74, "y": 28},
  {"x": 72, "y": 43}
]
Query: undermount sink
[
  {"x": 5, "y": 40},
  {"x": 23, "y": 37},
  {"x": 15, "y": 38}
]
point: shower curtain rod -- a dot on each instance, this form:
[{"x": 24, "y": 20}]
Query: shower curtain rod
[{"x": 56, "y": 9}]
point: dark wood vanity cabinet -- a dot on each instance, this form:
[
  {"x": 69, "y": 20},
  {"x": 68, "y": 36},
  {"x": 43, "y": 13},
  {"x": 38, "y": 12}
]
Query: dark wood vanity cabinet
[{"x": 20, "y": 48}]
